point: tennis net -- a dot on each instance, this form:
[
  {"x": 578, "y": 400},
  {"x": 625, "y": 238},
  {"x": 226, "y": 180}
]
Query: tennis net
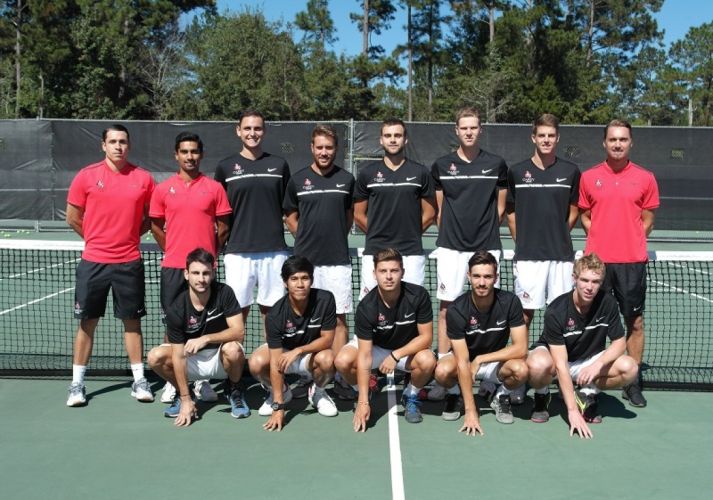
[{"x": 37, "y": 326}]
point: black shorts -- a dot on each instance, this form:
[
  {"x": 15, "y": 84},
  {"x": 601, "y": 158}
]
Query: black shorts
[
  {"x": 628, "y": 284},
  {"x": 172, "y": 284},
  {"x": 127, "y": 284}
]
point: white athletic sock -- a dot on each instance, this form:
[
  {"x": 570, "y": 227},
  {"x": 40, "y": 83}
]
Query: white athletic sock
[
  {"x": 78, "y": 372},
  {"x": 589, "y": 390},
  {"x": 543, "y": 390},
  {"x": 454, "y": 390},
  {"x": 411, "y": 390},
  {"x": 137, "y": 370}
]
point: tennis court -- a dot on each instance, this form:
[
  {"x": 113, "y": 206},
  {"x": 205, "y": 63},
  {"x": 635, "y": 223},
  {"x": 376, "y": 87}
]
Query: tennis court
[{"x": 116, "y": 447}]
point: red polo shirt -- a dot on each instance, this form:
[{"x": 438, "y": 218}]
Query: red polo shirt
[
  {"x": 616, "y": 201},
  {"x": 190, "y": 210},
  {"x": 114, "y": 205}
]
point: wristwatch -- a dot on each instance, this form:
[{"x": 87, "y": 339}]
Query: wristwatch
[{"x": 277, "y": 406}]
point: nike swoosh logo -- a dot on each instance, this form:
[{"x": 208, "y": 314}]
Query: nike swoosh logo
[
  {"x": 637, "y": 308},
  {"x": 599, "y": 319},
  {"x": 408, "y": 315},
  {"x": 314, "y": 320},
  {"x": 341, "y": 185},
  {"x": 562, "y": 179},
  {"x": 500, "y": 322},
  {"x": 410, "y": 178},
  {"x": 487, "y": 171},
  {"x": 212, "y": 312},
  {"x": 271, "y": 169}
]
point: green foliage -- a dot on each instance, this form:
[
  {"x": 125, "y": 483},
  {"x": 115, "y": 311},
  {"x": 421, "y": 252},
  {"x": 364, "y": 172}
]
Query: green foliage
[{"x": 584, "y": 60}]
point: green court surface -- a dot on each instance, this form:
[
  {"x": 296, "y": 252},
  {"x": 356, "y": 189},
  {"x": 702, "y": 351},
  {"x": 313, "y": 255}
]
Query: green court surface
[{"x": 118, "y": 448}]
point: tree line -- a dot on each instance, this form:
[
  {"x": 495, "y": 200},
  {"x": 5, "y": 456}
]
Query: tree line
[{"x": 583, "y": 60}]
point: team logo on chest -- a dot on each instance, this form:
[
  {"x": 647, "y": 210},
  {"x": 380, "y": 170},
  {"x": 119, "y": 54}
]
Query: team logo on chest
[
  {"x": 472, "y": 325},
  {"x": 171, "y": 190},
  {"x": 307, "y": 185},
  {"x": 570, "y": 325},
  {"x": 237, "y": 169},
  {"x": 290, "y": 328},
  {"x": 452, "y": 169},
  {"x": 598, "y": 184},
  {"x": 381, "y": 319},
  {"x": 379, "y": 177},
  {"x": 528, "y": 177},
  {"x": 100, "y": 184}
]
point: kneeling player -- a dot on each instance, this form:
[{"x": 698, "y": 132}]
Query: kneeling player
[
  {"x": 205, "y": 330},
  {"x": 394, "y": 331},
  {"x": 572, "y": 348},
  {"x": 480, "y": 324},
  {"x": 300, "y": 332}
]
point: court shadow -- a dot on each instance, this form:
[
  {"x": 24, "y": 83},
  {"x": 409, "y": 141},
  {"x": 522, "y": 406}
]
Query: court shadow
[
  {"x": 120, "y": 386},
  {"x": 609, "y": 407}
]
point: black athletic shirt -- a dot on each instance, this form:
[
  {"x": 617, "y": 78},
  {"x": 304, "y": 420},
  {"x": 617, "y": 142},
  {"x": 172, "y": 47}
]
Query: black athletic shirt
[
  {"x": 584, "y": 336},
  {"x": 484, "y": 331},
  {"x": 184, "y": 322},
  {"x": 393, "y": 328},
  {"x": 255, "y": 190},
  {"x": 469, "y": 218},
  {"x": 287, "y": 330},
  {"x": 322, "y": 203},
  {"x": 394, "y": 205},
  {"x": 542, "y": 199}
]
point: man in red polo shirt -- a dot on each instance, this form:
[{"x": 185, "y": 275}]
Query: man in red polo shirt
[
  {"x": 618, "y": 199},
  {"x": 107, "y": 206},
  {"x": 188, "y": 211}
]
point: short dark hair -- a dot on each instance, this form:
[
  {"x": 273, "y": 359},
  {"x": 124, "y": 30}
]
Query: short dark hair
[
  {"x": 325, "y": 131},
  {"x": 116, "y": 127},
  {"x": 546, "y": 120},
  {"x": 202, "y": 256},
  {"x": 188, "y": 137},
  {"x": 618, "y": 123},
  {"x": 388, "y": 254},
  {"x": 481, "y": 257},
  {"x": 390, "y": 122},
  {"x": 296, "y": 264},
  {"x": 250, "y": 112}
]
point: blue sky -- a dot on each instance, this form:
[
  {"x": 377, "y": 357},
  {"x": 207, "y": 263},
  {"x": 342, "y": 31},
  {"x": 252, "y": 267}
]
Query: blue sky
[{"x": 675, "y": 17}]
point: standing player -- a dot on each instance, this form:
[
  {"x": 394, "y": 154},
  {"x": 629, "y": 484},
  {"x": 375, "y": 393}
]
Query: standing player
[
  {"x": 300, "y": 331},
  {"x": 319, "y": 213},
  {"x": 107, "y": 206},
  {"x": 542, "y": 210},
  {"x": 470, "y": 192},
  {"x": 255, "y": 182},
  {"x": 573, "y": 348},
  {"x": 481, "y": 324},
  {"x": 205, "y": 331},
  {"x": 188, "y": 211},
  {"x": 618, "y": 199},
  {"x": 394, "y": 331},
  {"x": 394, "y": 204}
]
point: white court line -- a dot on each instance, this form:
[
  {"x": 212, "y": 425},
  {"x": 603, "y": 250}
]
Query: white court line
[
  {"x": 397, "y": 473},
  {"x": 36, "y": 301},
  {"x": 39, "y": 269},
  {"x": 677, "y": 289},
  {"x": 689, "y": 269}
]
